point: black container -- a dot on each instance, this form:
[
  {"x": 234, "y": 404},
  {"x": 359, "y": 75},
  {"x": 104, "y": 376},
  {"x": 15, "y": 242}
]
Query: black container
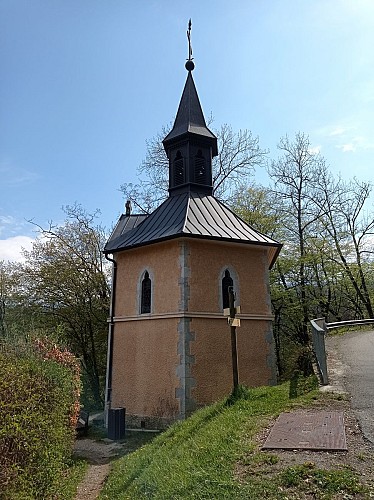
[{"x": 116, "y": 423}]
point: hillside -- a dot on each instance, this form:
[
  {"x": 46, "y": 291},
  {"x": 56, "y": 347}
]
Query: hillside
[{"x": 216, "y": 454}]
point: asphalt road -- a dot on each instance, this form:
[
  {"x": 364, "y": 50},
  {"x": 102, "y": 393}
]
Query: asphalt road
[{"x": 356, "y": 352}]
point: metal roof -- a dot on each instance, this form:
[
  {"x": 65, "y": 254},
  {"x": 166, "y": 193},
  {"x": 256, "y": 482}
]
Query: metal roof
[
  {"x": 188, "y": 214},
  {"x": 126, "y": 223},
  {"x": 190, "y": 118}
]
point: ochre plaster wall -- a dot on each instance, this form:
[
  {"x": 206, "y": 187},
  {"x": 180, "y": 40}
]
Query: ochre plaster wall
[
  {"x": 145, "y": 350},
  {"x": 207, "y": 259},
  {"x": 147, "y": 356},
  {"x": 144, "y": 367},
  {"x": 162, "y": 261},
  {"x": 211, "y": 348}
]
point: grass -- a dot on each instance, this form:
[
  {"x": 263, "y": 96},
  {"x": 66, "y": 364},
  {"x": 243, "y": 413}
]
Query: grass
[
  {"x": 73, "y": 476},
  {"x": 321, "y": 483},
  {"x": 200, "y": 458}
]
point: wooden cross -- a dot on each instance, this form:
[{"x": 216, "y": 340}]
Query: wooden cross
[{"x": 231, "y": 312}]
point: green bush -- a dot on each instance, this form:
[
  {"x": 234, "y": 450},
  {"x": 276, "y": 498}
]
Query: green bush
[{"x": 38, "y": 406}]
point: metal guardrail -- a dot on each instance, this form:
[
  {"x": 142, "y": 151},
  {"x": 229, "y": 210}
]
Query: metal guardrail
[
  {"x": 318, "y": 338},
  {"x": 351, "y": 322},
  {"x": 319, "y": 332}
]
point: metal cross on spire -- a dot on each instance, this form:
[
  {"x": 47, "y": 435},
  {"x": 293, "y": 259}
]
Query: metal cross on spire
[
  {"x": 189, "y": 64},
  {"x": 189, "y": 41}
]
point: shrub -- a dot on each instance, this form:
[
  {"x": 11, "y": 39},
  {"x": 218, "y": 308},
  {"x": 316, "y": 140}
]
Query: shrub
[{"x": 39, "y": 391}]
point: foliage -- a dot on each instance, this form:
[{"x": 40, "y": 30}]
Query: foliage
[
  {"x": 62, "y": 290},
  {"x": 11, "y": 318},
  {"x": 325, "y": 267},
  {"x": 296, "y": 175},
  {"x": 39, "y": 398},
  {"x": 300, "y": 385},
  {"x": 51, "y": 352},
  {"x": 349, "y": 228}
]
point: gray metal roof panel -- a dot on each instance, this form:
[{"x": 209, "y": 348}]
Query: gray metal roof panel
[
  {"x": 167, "y": 220},
  {"x": 126, "y": 223},
  {"x": 196, "y": 215}
]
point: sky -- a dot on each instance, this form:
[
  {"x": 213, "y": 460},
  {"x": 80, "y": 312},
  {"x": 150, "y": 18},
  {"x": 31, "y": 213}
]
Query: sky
[{"x": 84, "y": 84}]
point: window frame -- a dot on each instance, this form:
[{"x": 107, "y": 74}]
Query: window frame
[
  {"x": 235, "y": 279},
  {"x": 142, "y": 277}
]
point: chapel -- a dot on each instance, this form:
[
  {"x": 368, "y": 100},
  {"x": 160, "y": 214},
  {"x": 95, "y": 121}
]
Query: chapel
[{"x": 169, "y": 350}]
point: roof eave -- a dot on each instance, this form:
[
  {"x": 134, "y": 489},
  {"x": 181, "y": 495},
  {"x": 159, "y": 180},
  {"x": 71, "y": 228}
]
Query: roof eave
[
  {"x": 188, "y": 135},
  {"x": 277, "y": 246}
]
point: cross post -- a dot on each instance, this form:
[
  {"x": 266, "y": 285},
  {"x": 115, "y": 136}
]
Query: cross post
[{"x": 234, "y": 352}]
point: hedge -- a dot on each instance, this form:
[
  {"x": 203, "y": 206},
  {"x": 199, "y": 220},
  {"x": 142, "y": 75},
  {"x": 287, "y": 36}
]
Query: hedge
[{"x": 39, "y": 401}]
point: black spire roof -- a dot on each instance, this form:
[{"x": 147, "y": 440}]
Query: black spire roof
[
  {"x": 190, "y": 118},
  {"x": 190, "y": 145}
]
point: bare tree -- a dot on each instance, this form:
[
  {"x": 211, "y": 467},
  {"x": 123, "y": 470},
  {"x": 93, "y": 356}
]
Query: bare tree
[
  {"x": 239, "y": 154},
  {"x": 350, "y": 230},
  {"x": 65, "y": 275},
  {"x": 296, "y": 175}
]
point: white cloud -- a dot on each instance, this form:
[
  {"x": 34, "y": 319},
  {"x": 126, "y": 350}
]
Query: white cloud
[
  {"x": 347, "y": 147},
  {"x": 315, "y": 150},
  {"x": 6, "y": 221},
  {"x": 355, "y": 143},
  {"x": 339, "y": 130},
  {"x": 11, "y": 248},
  {"x": 12, "y": 175}
]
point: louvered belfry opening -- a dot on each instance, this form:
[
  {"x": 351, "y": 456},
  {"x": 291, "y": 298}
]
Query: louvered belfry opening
[
  {"x": 146, "y": 294},
  {"x": 200, "y": 170},
  {"x": 178, "y": 165},
  {"x": 227, "y": 281}
]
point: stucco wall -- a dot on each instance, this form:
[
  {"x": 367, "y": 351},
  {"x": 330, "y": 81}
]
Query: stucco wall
[
  {"x": 144, "y": 367},
  {"x": 145, "y": 355},
  {"x": 212, "y": 370},
  {"x": 208, "y": 259},
  {"x": 211, "y": 348},
  {"x": 171, "y": 361},
  {"x": 162, "y": 262}
]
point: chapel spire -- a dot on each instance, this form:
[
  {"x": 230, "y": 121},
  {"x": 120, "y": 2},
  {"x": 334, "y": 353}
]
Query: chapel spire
[{"x": 190, "y": 145}]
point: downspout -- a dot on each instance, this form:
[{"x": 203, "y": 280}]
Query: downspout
[{"x": 108, "y": 382}]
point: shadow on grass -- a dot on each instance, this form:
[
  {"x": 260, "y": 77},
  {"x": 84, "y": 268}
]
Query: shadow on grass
[{"x": 97, "y": 449}]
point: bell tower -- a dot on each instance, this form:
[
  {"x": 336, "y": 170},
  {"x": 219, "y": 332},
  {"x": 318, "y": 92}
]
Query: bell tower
[
  {"x": 169, "y": 346},
  {"x": 190, "y": 145}
]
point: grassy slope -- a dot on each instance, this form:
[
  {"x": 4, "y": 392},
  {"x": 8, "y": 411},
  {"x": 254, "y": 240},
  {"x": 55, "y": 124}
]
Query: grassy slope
[{"x": 197, "y": 458}]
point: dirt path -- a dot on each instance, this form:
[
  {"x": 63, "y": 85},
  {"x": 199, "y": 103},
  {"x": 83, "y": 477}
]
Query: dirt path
[
  {"x": 98, "y": 454},
  {"x": 93, "y": 482}
]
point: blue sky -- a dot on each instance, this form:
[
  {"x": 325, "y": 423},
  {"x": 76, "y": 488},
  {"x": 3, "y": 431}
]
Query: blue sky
[{"x": 85, "y": 83}]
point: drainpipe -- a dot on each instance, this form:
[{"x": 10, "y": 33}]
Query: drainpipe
[{"x": 108, "y": 382}]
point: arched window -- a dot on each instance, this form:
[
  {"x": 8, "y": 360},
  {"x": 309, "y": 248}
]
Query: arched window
[
  {"x": 199, "y": 166},
  {"x": 227, "y": 281},
  {"x": 146, "y": 296},
  {"x": 178, "y": 169}
]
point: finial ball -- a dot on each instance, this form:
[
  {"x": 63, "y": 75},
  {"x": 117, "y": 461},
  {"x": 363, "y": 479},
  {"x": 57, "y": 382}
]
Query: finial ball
[{"x": 190, "y": 65}]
